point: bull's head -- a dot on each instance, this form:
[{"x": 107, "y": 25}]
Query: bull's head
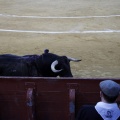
[{"x": 52, "y": 65}]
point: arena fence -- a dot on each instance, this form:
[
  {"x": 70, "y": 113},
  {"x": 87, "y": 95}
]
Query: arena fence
[{"x": 32, "y": 98}]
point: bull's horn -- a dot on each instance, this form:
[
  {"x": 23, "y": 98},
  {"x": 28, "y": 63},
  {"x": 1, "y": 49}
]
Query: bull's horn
[
  {"x": 73, "y": 59},
  {"x": 53, "y": 66}
]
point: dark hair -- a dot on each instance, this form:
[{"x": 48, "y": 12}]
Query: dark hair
[{"x": 110, "y": 99}]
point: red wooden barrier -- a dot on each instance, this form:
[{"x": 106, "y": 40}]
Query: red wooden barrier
[{"x": 46, "y": 98}]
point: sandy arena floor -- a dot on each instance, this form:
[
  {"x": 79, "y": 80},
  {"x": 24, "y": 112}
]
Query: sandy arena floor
[{"x": 83, "y": 29}]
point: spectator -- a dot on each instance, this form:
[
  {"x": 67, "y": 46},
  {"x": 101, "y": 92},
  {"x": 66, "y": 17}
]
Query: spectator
[{"x": 107, "y": 108}]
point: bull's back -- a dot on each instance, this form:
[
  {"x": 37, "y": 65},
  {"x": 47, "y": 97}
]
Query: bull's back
[{"x": 12, "y": 65}]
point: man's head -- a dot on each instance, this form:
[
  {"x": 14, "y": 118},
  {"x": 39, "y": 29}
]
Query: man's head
[{"x": 110, "y": 90}]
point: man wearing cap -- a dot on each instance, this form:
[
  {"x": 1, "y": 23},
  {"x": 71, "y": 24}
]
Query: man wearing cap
[{"x": 107, "y": 108}]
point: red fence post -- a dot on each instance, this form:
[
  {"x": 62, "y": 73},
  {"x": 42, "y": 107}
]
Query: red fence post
[
  {"x": 72, "y": 104},
  {"x": 30, "y": 104},
  {"x": 30, "y": 101}
]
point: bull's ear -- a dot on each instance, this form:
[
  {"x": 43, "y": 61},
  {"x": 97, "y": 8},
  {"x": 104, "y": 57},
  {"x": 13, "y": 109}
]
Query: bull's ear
[{"x": 46, "y": 51}]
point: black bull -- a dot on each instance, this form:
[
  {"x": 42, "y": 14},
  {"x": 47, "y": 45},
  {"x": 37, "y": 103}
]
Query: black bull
[{"x": 45, "y": 65}]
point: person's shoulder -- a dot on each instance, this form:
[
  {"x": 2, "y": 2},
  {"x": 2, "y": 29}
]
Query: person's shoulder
[
  {"x": 88, "y": 108},
  {"x": 88, "y": 112}
]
